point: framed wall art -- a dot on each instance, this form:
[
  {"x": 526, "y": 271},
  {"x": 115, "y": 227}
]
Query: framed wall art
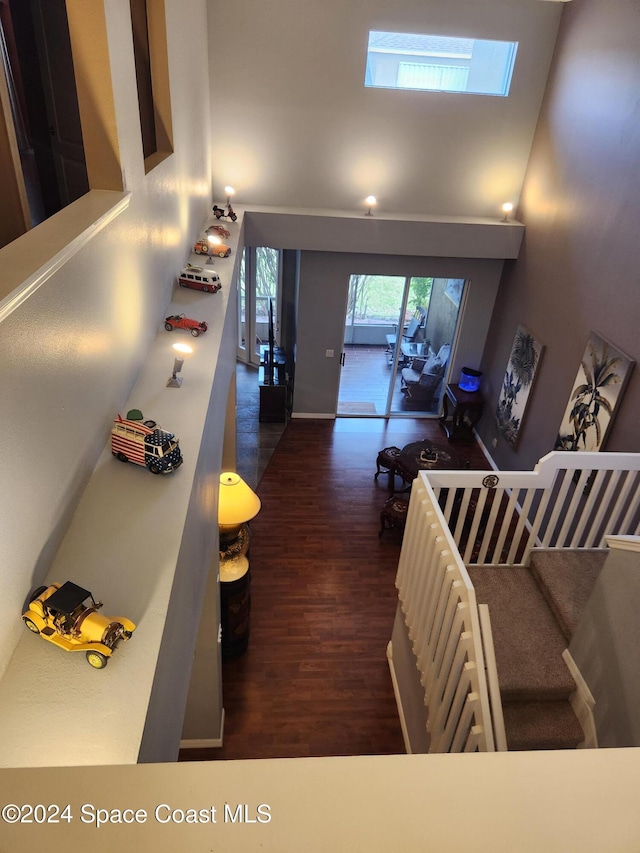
[
  {"x": 516, "y": 385},
  {"x": 595, "y": 396},
  {"x": 453, "y": 290}
]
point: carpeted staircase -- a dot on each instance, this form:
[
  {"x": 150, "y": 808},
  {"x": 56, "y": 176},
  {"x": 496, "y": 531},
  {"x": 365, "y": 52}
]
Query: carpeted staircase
[{"x": 534, "y": 612}]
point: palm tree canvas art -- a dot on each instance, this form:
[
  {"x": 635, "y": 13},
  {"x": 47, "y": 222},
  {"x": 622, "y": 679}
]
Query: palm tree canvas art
[
  {"x": 516, "y": 386},
  {"x": 595, "y": 396}
]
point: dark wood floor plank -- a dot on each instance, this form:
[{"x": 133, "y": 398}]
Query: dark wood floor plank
[{"x": 315, "y": 679}]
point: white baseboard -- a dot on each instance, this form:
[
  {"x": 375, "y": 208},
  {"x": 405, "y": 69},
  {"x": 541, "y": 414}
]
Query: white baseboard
[
  {"x": 205, "y": 743},
  {"x": 583, "y": 703},
  {"x": 486, "y": 453},
  {"x": 396, "y": 693},
  {"x": 323, "y": 416}
]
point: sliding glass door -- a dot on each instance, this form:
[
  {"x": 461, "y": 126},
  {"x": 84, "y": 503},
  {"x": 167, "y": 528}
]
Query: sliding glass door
[
  {"x": 424, "y": 363},
  {"x": 398, "y": 340},
  {"x": 375, "y": 306}
]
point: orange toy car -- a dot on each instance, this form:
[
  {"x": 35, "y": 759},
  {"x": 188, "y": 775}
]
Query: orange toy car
[{"x": 204, "y": 247}]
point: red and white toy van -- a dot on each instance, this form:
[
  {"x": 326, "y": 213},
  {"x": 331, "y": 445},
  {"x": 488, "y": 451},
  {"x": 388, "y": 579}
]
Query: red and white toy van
[{"x": 198, "y": 278}]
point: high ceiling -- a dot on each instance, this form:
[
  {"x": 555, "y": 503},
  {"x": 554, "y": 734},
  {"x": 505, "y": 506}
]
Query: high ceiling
[{"x": 294, "y": 125}]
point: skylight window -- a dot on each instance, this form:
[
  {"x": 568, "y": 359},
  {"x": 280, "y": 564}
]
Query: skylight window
[{"x": 439, "y": 63}]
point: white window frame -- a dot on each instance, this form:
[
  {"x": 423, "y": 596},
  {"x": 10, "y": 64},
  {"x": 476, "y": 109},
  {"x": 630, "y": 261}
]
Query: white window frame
[{"x": 489, "y": 63}]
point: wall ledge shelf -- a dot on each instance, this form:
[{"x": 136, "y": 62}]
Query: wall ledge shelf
[
  {"x": 387, "y": 234},
  {"x": 144, "y": 545}
]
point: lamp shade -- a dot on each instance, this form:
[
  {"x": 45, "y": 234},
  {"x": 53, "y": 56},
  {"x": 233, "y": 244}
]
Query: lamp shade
[{"x": 237, "y": 502}]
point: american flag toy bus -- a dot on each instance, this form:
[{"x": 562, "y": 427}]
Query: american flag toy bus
[{"x": 144, "y": 443}]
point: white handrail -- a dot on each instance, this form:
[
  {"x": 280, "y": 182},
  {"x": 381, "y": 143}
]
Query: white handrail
[
  {"x": 624, "y": 543},
  {"x": 568, "y": 500},
  {"x": 438, "y": 603},
  {"x": 495, "y": 699}
]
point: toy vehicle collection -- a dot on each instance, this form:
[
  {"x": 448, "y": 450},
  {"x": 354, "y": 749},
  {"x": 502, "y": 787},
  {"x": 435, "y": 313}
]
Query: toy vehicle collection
[
  {"x": 66, "y": 615},
  {"x": 204, "y": 247},
  {"x": 144, "y": 443},
  {"x": 179, "y": 321},
  {"x": 229, "y": 212},
  {"x": 198, "y": 278},
  {"x": 219, "y": 231}
]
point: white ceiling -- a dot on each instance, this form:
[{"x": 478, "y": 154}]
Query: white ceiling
[{"x": 294, "y": 125}]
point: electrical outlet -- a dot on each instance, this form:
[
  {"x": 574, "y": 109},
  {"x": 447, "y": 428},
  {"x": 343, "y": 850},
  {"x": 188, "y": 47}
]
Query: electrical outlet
[{"x": 329, "y": 353}]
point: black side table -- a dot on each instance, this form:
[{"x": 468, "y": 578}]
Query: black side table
[
  {"x": 273, "y": 404},
  {"x": 467, "y": 411}
]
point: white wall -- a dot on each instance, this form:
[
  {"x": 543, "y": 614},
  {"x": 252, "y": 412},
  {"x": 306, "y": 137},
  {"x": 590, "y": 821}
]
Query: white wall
[
  {"x": 70, "y": 354},
  {"x": 336, "y": 245},
  {"x": 292, "y": 123},
  {"x": 578, "y": 270},
  {"x": 322, "y": 302},
  {"x": 551, "y": 801},
  {"x": 605, "y": 648}
]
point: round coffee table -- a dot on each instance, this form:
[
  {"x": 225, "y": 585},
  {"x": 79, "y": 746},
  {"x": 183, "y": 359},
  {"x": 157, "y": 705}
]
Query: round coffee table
[{"x": 424, "y": 456}]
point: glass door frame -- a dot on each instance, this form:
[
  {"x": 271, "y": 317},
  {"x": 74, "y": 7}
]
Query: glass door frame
[
  {"x": 247, "y": 353},
  {"x": 390, "y": 411},
  {"x": 243, "y": 291},
  {"x": 397, "y": 349},
  {"x": 349, "y": 322}
]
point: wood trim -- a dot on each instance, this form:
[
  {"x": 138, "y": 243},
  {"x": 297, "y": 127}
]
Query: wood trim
[
  {"x": 157, "y": 29},
  {"x": 624, "y": 543},
  {"x": 206, "y": 743},
  {"x": 485, "y": 451},
  {"x": 326, "y": 416},
  {"x": 583, "y": 703},
  {"x": 15, "y": 218},
  {"x": 92, "y": 66}
]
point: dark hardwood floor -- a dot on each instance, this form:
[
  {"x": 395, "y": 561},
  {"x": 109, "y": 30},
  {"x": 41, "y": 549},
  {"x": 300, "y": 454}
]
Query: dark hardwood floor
[{"x": 315, "y": 679}]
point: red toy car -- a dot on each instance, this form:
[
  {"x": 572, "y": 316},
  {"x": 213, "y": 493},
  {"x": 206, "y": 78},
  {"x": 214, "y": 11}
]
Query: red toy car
[
  {"x": 219, "y": 231},
  {"x": 179, "y": 321}
]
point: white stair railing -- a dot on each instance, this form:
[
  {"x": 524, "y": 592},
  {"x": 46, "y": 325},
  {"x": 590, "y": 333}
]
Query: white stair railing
[
  {"x": 624, "y": 543},
  {"x": 438, "y": 603},
  {"x": 495, "y": 699},
  {"x": 569, "y": 500}
]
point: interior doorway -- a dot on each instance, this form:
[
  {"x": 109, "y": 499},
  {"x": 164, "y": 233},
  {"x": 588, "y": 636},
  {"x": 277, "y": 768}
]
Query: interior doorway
[
  {"x": 375, "y": 306},
  {"x": 398, "y": 341},
  {"x": 259, "y": 286}
]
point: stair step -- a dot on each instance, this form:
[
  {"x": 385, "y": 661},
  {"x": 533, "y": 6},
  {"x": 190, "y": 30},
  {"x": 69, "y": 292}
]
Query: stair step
[
  {"x": 541, "y": 725},
  {"x": 528, "y": 642},
  {"x": 566, "y": 579}
]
